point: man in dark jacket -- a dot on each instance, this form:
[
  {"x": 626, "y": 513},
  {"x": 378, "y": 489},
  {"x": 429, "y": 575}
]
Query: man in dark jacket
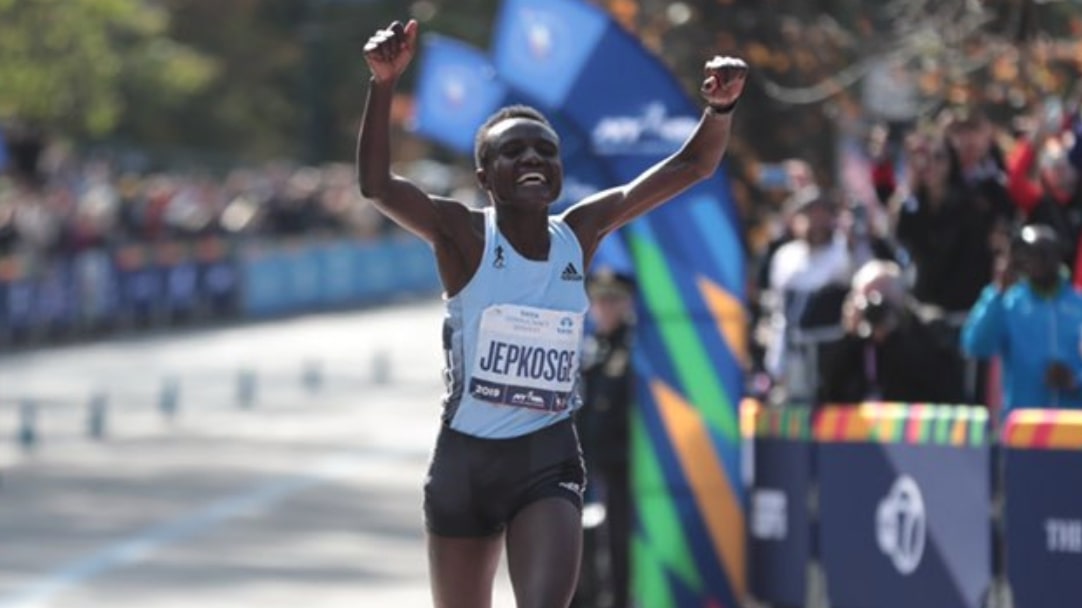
[
  {"x": 603, "y": 423},
  {"x": 893, "y": 349}
]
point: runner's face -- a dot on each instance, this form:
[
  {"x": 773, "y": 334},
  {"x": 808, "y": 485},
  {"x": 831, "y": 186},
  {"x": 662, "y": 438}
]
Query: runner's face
[{"x": 523, "y": 166}]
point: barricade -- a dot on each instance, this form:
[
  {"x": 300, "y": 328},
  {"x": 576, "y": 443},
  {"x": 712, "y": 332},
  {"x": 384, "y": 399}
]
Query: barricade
[
  {"x": 139, "y": 286},
  {"x": 779, "y": 525},
  {"x": 904, "y": 505},
  {"x": 305, "y": 277},
  {"x": 1043, "y": 507}
]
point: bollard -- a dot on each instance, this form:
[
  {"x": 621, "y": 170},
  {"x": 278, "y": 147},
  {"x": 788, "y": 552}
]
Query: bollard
[
  {"x": 312, "y": 376},
  {"x": 246, "y": 388},
  {"x": 381, "y": 367},
  {"x": 95, "y": 416},
  {"x": 169, "y": 400},
  {"x": 28, "y": 419}
]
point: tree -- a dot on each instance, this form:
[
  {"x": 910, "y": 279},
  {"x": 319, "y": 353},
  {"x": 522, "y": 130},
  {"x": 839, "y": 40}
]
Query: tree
[{"x": 76, "y": 66}]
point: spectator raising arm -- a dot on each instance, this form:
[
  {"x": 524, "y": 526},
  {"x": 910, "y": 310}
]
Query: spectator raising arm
[{"x": 982, "y": 335}]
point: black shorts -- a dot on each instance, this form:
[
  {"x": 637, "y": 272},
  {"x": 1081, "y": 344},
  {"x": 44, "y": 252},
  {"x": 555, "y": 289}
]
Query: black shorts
[{"x": 476, "y": 486}]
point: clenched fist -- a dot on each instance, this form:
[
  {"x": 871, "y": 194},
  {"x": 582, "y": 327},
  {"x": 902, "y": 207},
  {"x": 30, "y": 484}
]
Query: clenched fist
[{"x": 390, "y": 50}]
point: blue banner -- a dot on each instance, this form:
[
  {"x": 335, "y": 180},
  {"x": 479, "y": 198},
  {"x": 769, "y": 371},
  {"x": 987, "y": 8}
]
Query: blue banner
[
  {"x": 265, "y": 291},
  {"x": 904, "y": 525},
  {"x": 300, "y": 264},
  {"x": 307, "y": 277},
  {"x": 337, "y": 277},
  {"x": 375, "y": 270},
  {"x": 1043, "y": 524},
  {"x": 457, "y": 90}
]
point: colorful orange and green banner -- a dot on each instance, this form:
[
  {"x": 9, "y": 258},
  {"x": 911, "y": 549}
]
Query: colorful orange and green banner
[
  {"x": 953, "y": 425},
  {"x": 1043, "y": 429}
]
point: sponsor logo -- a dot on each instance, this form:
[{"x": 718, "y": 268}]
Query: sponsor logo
[
  {"x": 570, "y": 273},
  {"x": 651, "y": 132},
  {"x": 566, "y": 327},
  {"x": 1064, "y": 535},
  {"x": 499, "y": 261},
  {"x": 528, "y": 399},
  {"x": 571, "y": 486},
  {"x": 769, "y": 514},
  {"x": 901, "y": 525}
]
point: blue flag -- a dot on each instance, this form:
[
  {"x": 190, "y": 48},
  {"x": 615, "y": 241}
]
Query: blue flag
[{"x": 457, "y": 90}]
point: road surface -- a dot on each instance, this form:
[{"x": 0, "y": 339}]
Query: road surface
[{"x": 287, "y": 472}]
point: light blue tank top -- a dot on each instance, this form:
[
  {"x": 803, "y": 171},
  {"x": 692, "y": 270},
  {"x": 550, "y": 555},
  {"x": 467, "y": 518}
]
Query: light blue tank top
[{"x": 512, "y": 338}]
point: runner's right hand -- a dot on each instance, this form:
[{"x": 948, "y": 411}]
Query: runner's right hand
[{"x": 390, "y": 50}]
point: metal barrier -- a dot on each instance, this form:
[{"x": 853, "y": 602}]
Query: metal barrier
[
  {"x": 1043, "y": 507},
  {"x": 874, "y": 505},
  {"x": 904, "y": 505},
  {"x": 780, "y": 511},
  {"x": 213, "y": 279}
]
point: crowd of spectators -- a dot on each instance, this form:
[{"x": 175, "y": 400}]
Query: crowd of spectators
[
  {"x": 853, "y": 298},
  {"x": 69, "y": 205},
  {"x": 869, "y": 299}
]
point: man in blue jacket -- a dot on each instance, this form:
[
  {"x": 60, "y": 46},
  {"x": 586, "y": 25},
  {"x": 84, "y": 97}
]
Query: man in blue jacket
[{"x": 1034, "y": 326}]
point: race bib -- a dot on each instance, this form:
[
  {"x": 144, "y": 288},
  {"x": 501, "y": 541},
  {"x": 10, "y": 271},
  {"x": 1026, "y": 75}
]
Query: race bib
[{"x": 526, "y": 357}]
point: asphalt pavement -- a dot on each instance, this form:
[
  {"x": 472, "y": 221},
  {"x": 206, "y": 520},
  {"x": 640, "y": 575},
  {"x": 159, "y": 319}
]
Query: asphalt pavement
[{"x": 275, "y": 465}]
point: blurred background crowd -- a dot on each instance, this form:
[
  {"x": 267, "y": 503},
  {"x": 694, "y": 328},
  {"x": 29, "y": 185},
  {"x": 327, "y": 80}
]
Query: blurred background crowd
[{"x": 922, "y": 133}]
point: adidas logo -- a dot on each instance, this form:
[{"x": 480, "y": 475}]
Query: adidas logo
[{"x": 570, "y": 273}]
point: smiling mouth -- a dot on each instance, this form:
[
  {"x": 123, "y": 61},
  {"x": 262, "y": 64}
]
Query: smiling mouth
[{"x": 532, "y": 179}]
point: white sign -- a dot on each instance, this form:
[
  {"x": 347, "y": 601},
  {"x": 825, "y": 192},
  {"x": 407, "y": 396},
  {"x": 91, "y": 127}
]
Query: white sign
[
  {"x": 1064, "y": 535},
  {"x": 769, "y": 514}
]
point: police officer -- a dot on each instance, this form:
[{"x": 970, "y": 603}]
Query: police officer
[{"x": 608, "y": 385}]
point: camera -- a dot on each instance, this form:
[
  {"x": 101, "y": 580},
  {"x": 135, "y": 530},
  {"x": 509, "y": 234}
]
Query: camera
[{"x": 874, "y": 311}]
